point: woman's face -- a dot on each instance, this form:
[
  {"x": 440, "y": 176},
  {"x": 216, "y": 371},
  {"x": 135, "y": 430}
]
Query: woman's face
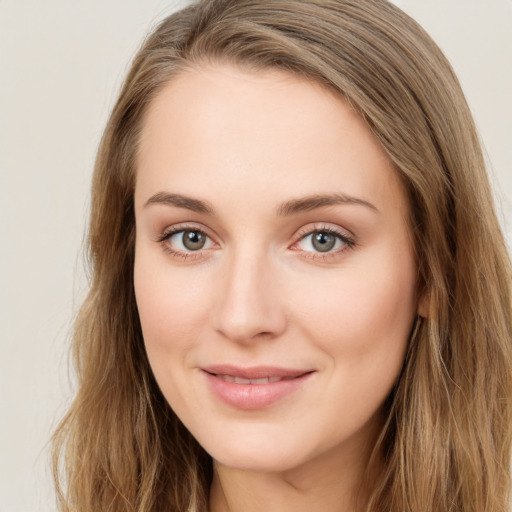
[{"x": 274, "y": 270}]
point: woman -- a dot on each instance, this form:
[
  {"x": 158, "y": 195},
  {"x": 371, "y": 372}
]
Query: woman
[{"x": 300, "y": 294}]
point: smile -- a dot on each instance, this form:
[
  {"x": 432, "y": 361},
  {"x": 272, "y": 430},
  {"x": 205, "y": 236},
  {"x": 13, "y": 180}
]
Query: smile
[
  {"x": 242, "y": 380},
  {"x": 254, "y": 388}
]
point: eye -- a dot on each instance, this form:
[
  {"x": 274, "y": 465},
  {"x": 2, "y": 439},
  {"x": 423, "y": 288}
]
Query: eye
[
  {"x": 325, "y": 240},
  {"x": 320, "y": 241},
  {"x": 189, "y": 240},
  {"x": 180, "y": 241}
]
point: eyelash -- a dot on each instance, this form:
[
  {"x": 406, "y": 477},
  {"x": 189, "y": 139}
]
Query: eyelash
[
  {"x": 180, "y": 255},
  {"x": 347, "y": 241}
]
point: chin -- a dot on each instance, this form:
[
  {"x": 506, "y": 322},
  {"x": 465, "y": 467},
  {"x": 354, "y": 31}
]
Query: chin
[
  {"x": 256, "y": 452},
  {"x": 258, "y": 462}
]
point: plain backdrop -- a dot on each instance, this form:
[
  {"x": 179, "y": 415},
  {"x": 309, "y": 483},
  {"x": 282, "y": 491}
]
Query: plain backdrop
[{"x": 61, "y": 65}]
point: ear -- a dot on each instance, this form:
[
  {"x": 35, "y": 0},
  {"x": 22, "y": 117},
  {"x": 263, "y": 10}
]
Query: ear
[{"x": 424, "y": 304}]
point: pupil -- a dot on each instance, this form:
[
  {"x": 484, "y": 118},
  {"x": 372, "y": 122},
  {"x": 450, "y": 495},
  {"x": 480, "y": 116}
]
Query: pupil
[
  {"x": 323, "y": 242},
  {"x": 193, "y": 240}
]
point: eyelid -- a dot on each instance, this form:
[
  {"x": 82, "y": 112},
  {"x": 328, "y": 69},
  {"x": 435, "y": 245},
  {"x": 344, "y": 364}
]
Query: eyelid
[
  {"x": 344, "y": 235},
  {"x": 170, "y": 231},
  {"x": 323, "y": 226},
  {"x": 185, "y": 226}
]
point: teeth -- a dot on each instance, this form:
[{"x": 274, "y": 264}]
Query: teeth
[
  {"x": 260, "y": 381},
  {"x": 241, "y": 380}
]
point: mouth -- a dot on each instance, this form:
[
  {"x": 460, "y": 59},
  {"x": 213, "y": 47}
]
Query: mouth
[
  {"x": 242, "y": 380},
  {"x": 255, "y": 387}
]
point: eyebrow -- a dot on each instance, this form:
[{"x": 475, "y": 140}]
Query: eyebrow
[
  {"x": 195, "y": 205},
  {"x": 291, "y": 207},
  {"x": 306, "y": 204}
]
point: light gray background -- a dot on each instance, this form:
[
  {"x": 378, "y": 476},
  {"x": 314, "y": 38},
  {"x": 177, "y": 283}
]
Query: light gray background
[{"x": 61, "y": 64}]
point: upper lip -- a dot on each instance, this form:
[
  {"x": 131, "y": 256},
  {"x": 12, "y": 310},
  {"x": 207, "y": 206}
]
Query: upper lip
[{"x": 255, "y": 372}]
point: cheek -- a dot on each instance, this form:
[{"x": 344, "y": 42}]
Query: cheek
[
  {"x": 172, "y": 309},
  {"x": 363, "y": 324},
  {"x": 173, "y": 305},
  {"x": 362, "y": 316}
]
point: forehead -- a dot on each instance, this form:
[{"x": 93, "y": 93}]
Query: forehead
[{"x": 267, "y": 133}]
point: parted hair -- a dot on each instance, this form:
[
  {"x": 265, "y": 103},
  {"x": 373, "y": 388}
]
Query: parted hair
[{"x": 446, "y": 439}]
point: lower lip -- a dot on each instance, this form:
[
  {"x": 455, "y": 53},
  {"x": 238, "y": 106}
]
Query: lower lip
[{"x": 254, "y": 396}]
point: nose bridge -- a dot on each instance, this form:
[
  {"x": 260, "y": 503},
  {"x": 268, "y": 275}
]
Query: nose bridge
[{"x": 248, "y": 302}]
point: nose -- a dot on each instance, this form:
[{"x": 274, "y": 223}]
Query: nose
[{"x": 249, "y": 305}]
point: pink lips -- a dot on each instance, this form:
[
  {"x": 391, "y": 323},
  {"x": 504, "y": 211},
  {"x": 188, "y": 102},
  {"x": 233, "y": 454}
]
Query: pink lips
[{"x": 255, "y": 387}]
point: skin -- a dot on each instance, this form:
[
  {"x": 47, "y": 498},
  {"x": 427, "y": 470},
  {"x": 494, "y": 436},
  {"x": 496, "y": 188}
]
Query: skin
[{"x": 260, "y": 293}]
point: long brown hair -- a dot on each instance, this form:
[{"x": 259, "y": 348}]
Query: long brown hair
[{"x": 446, "y": 441}]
